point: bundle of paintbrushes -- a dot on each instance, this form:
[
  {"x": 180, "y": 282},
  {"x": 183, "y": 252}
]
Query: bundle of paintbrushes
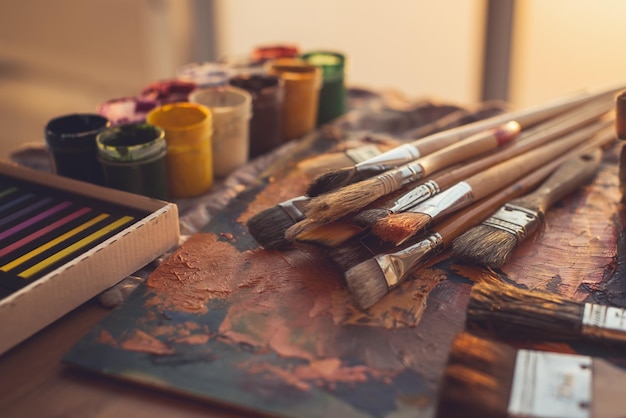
[
  {"x": 518, "y": 314},
  {"x": 268, "y": 227},
  {"x": 374, "y": 277},
  {"x": 332, "y": 234},
  {"x": 487, "y": 379}
]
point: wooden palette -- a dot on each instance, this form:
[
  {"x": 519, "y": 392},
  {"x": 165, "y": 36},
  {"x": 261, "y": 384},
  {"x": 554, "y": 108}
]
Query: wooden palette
[{"x": 275, "y": 332}]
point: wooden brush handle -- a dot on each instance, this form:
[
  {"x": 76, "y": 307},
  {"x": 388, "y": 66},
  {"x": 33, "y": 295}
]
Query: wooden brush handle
[
  {"x": 500, "y": 175},
  {"x": 478, "y": 212},
  {"x": 470, "y": 147},
  {"x": 568, "y": 177}
]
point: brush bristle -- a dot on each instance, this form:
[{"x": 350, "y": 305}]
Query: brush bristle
[
  {"x": 366, "y": 283},
  {"x": 336, "y": 179},
  {"x": 320, "y": 164},
  {"x": 324, "y": 234},
  {"x": 510, "y": 312},
  {"x": 268, "y": 227},
  {"x": 399, "y": 227},
  {"x": 485, "y": 245},
  {"x": 370, "y": 216},
  {"x": 349, "y": 254},
  {"x": 477, "y": 380},
  {"x": 330, "y": 181},
  {"x": 348, "y": 199}
]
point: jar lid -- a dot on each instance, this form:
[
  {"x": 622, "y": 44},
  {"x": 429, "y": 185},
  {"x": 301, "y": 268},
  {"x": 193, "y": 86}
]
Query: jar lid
[
  {"x": 133, "y": 142},
  {"x": 206, "y": 74},
  {"x": 125, "y": 110},
  {"x": 74, "y": 129},
  {"x": 331, "y": 63},
  {"x": 270, "y": 52}
]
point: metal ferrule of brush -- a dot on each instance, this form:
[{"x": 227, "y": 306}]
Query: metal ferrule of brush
[
  {"x": 448, "y": 201},
  {"x": 516, "y": 220},
  {"x": 604, "y": 322},
  {"x": 294, "y": 207},
  {"x": 551, "y": 385},
  {"x": 419, "y": 194},
  {"x": 395, "y": 266},
  {"x": 390, "y": 159},
  {"x": 394, "y": 179}
]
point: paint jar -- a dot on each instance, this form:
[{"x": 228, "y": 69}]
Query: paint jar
[
  {"x": 231, "y": 109},
  {"x": 332, "y": 100},
  {"x": 267, "y": 93},
  {"x": 71, "y": 140},
  {"x": 242, "y": 65},
  {"x": 127, "y": 110},
  {"x": 133, "y": 159},
  {"x": 302, "y": 85},
  {"x": 169, "y": 91},
  {"x": 271, "y": 52},
  {"x": 204, "y": 75},
  {"x": 188, "y": 134}
]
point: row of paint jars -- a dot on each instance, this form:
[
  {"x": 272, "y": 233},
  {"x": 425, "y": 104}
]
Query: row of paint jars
[{"x": 208, "y": 121}]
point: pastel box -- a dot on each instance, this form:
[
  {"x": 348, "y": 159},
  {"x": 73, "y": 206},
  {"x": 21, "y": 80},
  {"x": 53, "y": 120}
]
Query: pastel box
[{"x": 64, "y": 241}]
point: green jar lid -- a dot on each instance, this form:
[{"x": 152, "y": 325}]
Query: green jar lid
[
  {"x": 331, "y": 63},
  {"x": 134, "y": 142}
]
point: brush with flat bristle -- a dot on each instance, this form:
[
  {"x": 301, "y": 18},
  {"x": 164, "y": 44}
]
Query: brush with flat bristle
[
  {"x": 335, "y": 205},
  {"x": 373, "y": 278},
  {"x": 399, "y": 227},
  {"x": 423, "y": 146},
  {"x": 506, "y": 311},
  {"x": 583, "y": 120},
  {"x": 492, "y": 243},
  {"x": 484, "y": 378},
  {"x": 268, "y": 226}
]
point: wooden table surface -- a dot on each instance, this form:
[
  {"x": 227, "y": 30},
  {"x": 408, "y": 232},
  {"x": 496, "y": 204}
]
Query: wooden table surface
[{"x": 35, "y": 383}]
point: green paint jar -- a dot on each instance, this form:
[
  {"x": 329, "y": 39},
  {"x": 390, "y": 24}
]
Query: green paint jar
[
  {"x": 133, "y": 159},
  {"x": 332, "y": 96}
]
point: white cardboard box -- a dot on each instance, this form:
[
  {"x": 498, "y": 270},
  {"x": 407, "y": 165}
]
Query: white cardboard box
[{"x": 43, "y": 301}]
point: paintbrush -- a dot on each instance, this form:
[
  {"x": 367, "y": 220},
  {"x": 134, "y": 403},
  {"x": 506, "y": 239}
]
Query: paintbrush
[
  {"x": 488, "y": 379},
  {"x": 335, "y": 205},
  {"x": 492, "y": 243},
  {"x": 423, "y": 146},
  {"x": 268, "y": 226},
  {"x": 509, "y": 312},
  {"x": 371, "y": 279},
  {"x": 399, "y": 227},
  {"x": 579, "y": 119}
]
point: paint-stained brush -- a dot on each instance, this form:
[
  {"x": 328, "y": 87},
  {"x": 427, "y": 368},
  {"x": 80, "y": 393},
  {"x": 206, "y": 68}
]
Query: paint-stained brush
[
  {"x": 423, "y": 146},
  {"x": 484, "y": 378},
  {"x": 399, "y": 227},
  {"x": 371, "y": 279},
  {"x": 579, "y": 120},
  {"x": 268, "y": 226},
  {"x": 506, "y": 311},
  {"x": 492, "y": 243},
  {"x": 335, "y": 205}
]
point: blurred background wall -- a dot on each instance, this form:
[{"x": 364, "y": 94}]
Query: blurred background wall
[{"x": 70, "y": 55}]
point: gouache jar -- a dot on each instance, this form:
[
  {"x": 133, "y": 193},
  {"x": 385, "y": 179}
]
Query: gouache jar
[
  {"x": 188, "y": 134},
  {"x": 204, "y": 75},
  {"x": 71, "y": 140},
  {"x": 271, "y": 52},
  {"x": 267, "y": 93},
  {"x": 133, "y": 159},
  {"x": 169, "y": 91},
  {"x": 332, "y": 100},
  {"x": 302, "y": 85},
  {"x": 127, "y": 110},
  {"x": 231, "y": 109}
]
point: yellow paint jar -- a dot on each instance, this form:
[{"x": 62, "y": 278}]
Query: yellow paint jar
[
  {"x": 188, "y": 133},
  {"x": 302, "y": 85}
]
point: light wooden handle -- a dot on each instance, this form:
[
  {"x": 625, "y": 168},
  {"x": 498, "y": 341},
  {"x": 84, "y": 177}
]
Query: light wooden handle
[
  {"x": 500, "y": 175},
  {"x": 470, "y": 147}
]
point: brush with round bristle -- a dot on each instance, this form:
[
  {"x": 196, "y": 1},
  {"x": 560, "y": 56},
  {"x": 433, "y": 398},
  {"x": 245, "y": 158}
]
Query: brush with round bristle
[
  {"x": 492, "y": 243},
  {"x": 399, "y": 227},
  {"x": 336, "y": 179},
  {"x": 268, "y": 226},
  {"x": 320, "y": 164},
  {"x": 409, "y": 152},
  {"x": 334, "y": 205},
  {"x": 322, "y": 234}
]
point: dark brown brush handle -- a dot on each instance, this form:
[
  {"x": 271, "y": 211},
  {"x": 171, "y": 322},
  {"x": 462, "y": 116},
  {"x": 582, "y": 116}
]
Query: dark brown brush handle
[{"x": 568, "y": 177}]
